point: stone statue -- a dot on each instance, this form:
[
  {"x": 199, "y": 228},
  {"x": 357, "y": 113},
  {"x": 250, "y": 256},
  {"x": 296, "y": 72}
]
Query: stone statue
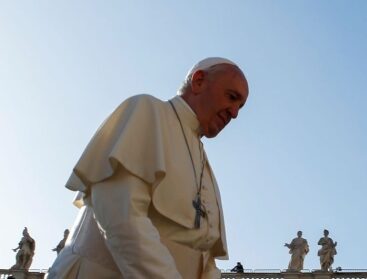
[
  {"x": 327, "y": 251},
  {"x": 298, "y": 248},
  {"x": 61, "y": 244},
  {"x": 25, "y": 250},
  {"x": 238, "y": 268}
]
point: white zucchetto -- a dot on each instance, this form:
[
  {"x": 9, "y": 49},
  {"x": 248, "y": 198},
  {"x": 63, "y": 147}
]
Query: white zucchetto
[{"x": 209, "y": 62}]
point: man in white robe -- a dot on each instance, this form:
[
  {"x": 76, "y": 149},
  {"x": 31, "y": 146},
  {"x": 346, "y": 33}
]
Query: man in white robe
[{"x": 139, "y": 179}]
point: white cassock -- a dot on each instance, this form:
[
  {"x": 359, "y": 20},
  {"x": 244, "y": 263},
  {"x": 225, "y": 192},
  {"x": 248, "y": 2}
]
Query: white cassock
[{"x": 136, "y": 186}]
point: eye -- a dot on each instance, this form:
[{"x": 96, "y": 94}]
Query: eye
[
  {"x": 235, "y": 97},
  {"x": 232, "y": 96}
]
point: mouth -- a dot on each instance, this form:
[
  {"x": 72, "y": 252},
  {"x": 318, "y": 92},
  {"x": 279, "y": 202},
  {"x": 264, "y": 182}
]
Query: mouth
[{"x": 224, "y": 120}]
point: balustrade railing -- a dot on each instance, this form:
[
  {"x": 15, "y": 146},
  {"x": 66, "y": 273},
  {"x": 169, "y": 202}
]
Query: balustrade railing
[
  {"x": 303, "y": 274},
  {"x": 226, "y": 274},
  {"x": 22, "y": 274}
]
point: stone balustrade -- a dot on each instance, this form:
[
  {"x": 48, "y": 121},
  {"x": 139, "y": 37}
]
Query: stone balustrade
[
  {"x": 248, "y": 274},
  {"x": 304, "y": 274},
  {"x": 22, "y": 274}
]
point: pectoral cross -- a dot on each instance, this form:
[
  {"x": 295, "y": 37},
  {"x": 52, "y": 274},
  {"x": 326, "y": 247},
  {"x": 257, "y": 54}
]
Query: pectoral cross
[{"x": 199, "y": 212}]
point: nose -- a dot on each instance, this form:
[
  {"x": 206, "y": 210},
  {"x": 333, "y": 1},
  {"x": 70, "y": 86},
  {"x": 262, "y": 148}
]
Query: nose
[{"x": 233, "y": 111}]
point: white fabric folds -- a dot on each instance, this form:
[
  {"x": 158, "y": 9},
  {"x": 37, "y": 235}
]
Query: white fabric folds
[
  {"x": 139, "y": 121},
  {"x": 142, "y": 136}
]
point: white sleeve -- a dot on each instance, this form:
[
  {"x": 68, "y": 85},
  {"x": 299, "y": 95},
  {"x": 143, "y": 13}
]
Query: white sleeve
[{"x": 121, "y": 206}]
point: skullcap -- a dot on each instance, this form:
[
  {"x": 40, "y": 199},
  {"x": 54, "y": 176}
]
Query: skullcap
[{"x": 209, "y": 62}]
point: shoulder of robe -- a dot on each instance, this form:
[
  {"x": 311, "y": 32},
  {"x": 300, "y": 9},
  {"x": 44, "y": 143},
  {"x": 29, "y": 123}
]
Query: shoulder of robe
[
  {"x": 131, "y": 137},
  {"x": 141, "y": 100},
  {"x": 130, "y": 107}
]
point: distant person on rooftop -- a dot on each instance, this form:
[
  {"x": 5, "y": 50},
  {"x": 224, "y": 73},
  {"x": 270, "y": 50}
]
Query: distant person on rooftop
[{"x": 238, "y": 268}]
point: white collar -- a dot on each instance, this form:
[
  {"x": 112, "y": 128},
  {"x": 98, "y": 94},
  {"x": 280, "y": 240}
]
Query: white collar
[{"x": 187, "y": 115}]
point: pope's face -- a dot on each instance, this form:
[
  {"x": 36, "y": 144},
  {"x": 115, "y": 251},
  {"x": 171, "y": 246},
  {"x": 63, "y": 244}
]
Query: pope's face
[{"x": 221, "y": 98}]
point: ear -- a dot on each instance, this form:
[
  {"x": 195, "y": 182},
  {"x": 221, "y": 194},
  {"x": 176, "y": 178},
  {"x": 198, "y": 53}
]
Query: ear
[{"x": 197, "y": 81}]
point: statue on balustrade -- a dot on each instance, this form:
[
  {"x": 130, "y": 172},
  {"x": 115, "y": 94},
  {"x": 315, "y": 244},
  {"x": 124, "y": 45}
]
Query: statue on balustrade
[
  {"x": 25, "y": 250},
  {"x": 61, "y": 244},
  {"x": 298, "y": 248},
  {"x": 327, "y": 251}
]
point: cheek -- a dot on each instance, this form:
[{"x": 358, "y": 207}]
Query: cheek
[
  {"x": 212, "y": 119},
  {"x": 212, "y": 109},
  {"x": 209, "y": 111},
  {"x": 206, "y": 115}
]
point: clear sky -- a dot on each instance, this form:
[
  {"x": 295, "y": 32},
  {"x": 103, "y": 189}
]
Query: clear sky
[{"x": 295, "y": 159}]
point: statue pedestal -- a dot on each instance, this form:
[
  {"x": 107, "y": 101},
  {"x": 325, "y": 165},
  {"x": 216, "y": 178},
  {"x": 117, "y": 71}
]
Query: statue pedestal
[
  {"x": 21, "y": 274},
  {"x": 291, "y": 274},
  {"x": 319, "y": 274}
]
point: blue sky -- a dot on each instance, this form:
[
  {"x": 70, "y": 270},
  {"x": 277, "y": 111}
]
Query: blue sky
[{"x": 295, "y": 159}]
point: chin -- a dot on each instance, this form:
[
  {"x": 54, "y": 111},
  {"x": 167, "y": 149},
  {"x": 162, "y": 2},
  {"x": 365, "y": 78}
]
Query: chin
[{"x": 211, "y": 134}]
